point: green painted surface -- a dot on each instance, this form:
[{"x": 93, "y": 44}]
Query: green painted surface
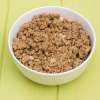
[
  {"x": 14, "y": 86},
  {"x": 3, "y": 13}
]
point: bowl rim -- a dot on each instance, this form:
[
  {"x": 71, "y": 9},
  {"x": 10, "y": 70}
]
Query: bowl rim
[{"x": 52, "y": 74}]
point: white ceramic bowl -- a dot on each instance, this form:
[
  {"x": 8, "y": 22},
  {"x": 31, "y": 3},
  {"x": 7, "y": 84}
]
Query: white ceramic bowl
[{"x": 47, "y": 78}]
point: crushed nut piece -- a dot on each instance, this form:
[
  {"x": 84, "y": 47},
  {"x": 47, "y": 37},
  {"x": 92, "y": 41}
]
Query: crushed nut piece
[{"x": 51, "y": 43}]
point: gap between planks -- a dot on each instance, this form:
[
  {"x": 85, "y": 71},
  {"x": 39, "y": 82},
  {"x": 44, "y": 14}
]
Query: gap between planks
[
  {"x": 57, "y": 98},
  {"x": 61, "y": 2}
]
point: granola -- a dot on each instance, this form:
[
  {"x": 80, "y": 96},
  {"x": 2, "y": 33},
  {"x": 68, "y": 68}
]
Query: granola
[{"x": 51, "y": 43}]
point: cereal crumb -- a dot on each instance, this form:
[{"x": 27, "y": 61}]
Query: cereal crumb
[{"x": 51, "y": 43}]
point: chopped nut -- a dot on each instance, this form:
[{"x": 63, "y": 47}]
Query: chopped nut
[{"x": 51, "y": 43}]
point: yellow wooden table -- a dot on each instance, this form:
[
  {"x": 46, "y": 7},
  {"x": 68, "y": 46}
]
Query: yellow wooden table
[{"x": 14, "y": 86}]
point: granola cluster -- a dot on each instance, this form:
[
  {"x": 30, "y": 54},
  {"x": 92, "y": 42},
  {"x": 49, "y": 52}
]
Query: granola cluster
[{"x": 51, "y": 43}]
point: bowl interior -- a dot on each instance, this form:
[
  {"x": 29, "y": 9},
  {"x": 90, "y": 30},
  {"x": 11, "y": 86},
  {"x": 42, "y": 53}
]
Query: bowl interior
[{"x": 65, "y": 12}]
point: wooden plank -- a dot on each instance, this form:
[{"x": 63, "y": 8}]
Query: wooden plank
[
  {"x": 87, "y": 86},
  {"x": 3, "y": 10},
  {"x": 14, "y": 85}
]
